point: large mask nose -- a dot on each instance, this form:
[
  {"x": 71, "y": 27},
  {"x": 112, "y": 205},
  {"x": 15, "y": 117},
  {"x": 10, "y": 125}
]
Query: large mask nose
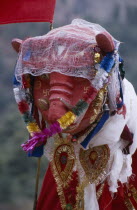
[{"x": 61, "y": 87}]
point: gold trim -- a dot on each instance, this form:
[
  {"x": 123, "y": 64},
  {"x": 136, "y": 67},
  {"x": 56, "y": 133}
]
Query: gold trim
[
  {"x": 129, "y": 204},
  {"x": 65, "y": 175},
  {"x": 94, "y": 162},
  {"x": 134, "y": 192},
  {"x": 100, "y": 191},
  {"x": 80, "y": 195},
  {"x": 97, "y": 104},
  {"x": 62, "y": 181},
  {"x": 131, "y": 193}
]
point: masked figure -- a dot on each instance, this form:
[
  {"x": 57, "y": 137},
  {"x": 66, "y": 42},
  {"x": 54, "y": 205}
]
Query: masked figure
[{"x": 70, "y": 88}]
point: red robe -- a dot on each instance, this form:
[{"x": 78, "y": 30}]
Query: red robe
[{"x": 123, "y": 199}]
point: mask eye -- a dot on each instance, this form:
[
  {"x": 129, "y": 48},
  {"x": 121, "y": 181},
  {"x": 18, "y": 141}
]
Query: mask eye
[{"x": 43, "y": 104}]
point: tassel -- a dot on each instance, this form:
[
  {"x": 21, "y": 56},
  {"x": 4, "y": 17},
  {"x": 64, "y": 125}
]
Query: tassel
[
  {"x": 37, "y": 152},
  {"x": 107, "y": 62},
  {"x": 39, "y": 138},
  {"x": 15, "y": 82}
]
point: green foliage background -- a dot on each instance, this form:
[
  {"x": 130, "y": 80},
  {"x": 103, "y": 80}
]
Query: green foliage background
[{"x": 17, "y": 171}]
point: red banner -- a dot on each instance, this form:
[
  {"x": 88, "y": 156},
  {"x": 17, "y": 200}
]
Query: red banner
[{"x": 17, "y": 11}]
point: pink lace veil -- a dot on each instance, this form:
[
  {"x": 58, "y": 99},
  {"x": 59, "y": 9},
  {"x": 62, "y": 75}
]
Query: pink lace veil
[{"x": 67, "y": 50}]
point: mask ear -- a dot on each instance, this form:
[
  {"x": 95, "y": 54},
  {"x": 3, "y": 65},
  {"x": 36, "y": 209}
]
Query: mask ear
[
  {"x": 105, "y": 42},
  {"x": 16, "y": 43}
]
